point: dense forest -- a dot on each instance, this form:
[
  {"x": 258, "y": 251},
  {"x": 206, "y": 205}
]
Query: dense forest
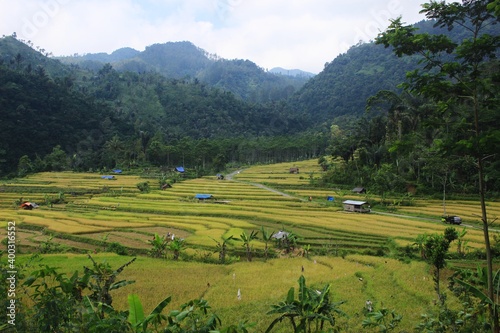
[
  {"x": 185, "y": 61},
  {"x": 87, "y": 114}
]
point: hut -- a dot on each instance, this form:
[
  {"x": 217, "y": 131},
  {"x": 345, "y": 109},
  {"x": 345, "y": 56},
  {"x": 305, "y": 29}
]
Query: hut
[
  {"x": 294, "y": 170},
  {"x": 28, "y": 205},
  {"x": 203, "y": 197},
  {"x": 110, "y": 177},
  {"x": 356, "y": 206},
  {"x": 359, "y": 190}
]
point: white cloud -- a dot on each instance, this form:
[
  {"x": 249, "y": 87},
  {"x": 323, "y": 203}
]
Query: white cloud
[{"x": 288, "y": 33}]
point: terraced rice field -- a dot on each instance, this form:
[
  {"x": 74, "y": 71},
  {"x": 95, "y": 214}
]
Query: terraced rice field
[
  {"x": 116, "y": 211},
  {"x": 100, "y": 212}
]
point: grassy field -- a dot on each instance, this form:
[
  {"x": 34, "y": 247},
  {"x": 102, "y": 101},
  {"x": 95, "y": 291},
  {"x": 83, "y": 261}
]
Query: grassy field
[{"x": 98, "y": 212}]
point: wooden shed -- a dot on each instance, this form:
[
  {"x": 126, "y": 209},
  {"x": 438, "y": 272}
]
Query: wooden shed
[
  {"x": 356, "y": 206},
  {"x": 359, "y": 190}
]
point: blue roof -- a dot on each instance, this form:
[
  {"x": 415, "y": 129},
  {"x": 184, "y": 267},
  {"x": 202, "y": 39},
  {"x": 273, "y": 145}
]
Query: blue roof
[
  {"x": 117, "y": 171},
  {"x": 108, "y": 177},
  {"x": 203, "y": 196},
  {"x": 180, "y": 169}
]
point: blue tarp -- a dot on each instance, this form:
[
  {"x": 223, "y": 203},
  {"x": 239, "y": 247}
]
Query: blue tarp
[
  {"x": 179, "y": 169},
  {"x": 330, "y": 198},
  {"x": 203, "y": 196},
  {"x": 117, "y": 171},
  {"x": 108, "y": 177}
]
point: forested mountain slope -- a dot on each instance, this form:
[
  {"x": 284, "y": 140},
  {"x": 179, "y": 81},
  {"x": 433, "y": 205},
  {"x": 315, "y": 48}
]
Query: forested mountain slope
[{"x": 183, "y": 60}]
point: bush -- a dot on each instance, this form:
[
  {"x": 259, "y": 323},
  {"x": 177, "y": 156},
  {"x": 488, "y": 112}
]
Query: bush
[
  {"x": 117, "y": 248},
  {"x": 143, "y": 187}
]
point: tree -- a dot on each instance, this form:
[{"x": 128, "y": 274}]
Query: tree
[
  {"x": 266, "y": 237},
  {"x": 57, "y": 159},
  {"x": 159, "y": 246},
  {"x": 458, "y": 76},
  {"x": 176, "y": 247},
  {"x": 420, "y": 244},
  {"x": 222, "y": 248},
  {"x": 246, "y": 240},
  {"x": 436, "y": 248}
]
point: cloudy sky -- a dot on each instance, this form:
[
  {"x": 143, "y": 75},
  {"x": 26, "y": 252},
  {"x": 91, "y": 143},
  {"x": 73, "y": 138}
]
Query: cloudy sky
[{"x": 303, "y": 34}]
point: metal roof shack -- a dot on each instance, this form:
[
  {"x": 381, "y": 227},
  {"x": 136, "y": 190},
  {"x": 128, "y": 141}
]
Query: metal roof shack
[
  {"x": 202, "y": 197},
  {"x": 356, "y": 206}
]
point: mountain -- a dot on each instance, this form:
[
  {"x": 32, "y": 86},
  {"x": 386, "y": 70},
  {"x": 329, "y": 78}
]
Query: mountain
[
  {"x": 291, "y": 72},
  {"x": 181, "y": 60},
  {"x": 343, "y": 87},
  {"x": 345, "y": 84},
  {"x": 45, "y": 103}
]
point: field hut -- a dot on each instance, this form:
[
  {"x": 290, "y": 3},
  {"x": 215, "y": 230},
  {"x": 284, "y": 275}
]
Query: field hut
[
  {"x": 359, "y": 190},
  {"x": 111, "y": 177},
  {"x": 294, "y": 170},
  {"x": 28, "y": 205},
  {"x": 356, "y": 206},
  {"x": 203, "y": 197},
  {"x": 280, "y": 235},
  {"x": 180, "y": 169}
]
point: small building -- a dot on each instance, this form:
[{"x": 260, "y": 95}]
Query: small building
[
  {"x": 111, "y": 177},
  {"x": 359, "y": 190},
  {"x": 294, "y": 170},
  {"x": 356, "y": 206},
  {"x": 117, "y": 170},
  {"x": 280, "y": 235},
  {"x": 203, "y": 197},
  {"x": 28, "y": 205},
  {"x": 180, "y": 169}
]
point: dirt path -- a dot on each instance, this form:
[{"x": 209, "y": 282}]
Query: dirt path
[{"x": 231, "y": 177}]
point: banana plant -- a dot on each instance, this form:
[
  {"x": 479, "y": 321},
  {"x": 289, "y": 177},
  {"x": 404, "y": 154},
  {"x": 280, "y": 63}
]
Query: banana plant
[
  {"x": 246, "y": 240},
  {"x": 138, "y": 322},
  {"x": 266, "y": 237},
  {"x": 176, "y": 247},
  {"x": 310, "y": 312}
]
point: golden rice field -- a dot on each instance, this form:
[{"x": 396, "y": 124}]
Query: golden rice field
[
  {"x": 99, "y": 211},
  {"x": 97, "y": 206},
  {"x": 386, "y": 282}
]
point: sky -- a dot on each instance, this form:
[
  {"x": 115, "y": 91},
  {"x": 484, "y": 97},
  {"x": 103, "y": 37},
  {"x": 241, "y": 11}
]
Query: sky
[{"x": 293, "y": 34}]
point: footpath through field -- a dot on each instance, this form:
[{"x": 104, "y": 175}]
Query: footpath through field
[{"x": 234, "y": 173}]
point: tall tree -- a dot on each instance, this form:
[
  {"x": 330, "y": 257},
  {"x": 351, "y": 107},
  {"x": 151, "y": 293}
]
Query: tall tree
[{"x": 458, "y": 76}]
